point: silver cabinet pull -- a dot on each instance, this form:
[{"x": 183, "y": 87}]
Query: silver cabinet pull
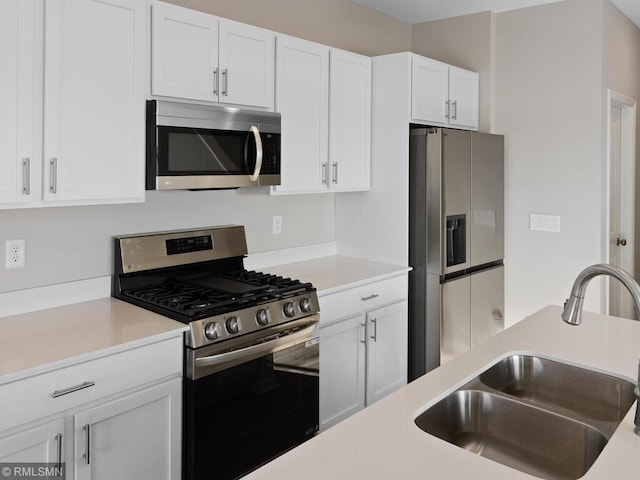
[
  {"x": 335, "y": 172},
  {"x": 363, "y": 340},
  {"x": 87, "y": 444},
  {"x": 455, "y": 110},
  {"x": 225, "y": 82},
  {"x": 324, "y": 173},
  {"x": 53, "y": 175},
  {"x": 447, "y": 109},
  {"x": 370, "y": 297},
  {"x": 215, "y": 81},
  {"x": 75, "y": 388},
  {"x": 26, "y": 176},
  {"x": 374, "y": 321},
  {"x": 59, "y": 448}
]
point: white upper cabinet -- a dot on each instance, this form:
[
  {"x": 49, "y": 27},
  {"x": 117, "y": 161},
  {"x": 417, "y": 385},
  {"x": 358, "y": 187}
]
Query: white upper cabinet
[
  {"x": 349, "y": 121},
  {"x": 94, "y": 91},
  {"x": 199, "y": 56},
  {"x": 442, "y": 94},
  {"x": 302, "y": 99}
]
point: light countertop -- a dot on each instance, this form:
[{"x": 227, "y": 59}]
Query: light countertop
[
  {"x": 382, "y": 441},
  {"x": 37, "y": 341},
  {"x": 335, "y": 273}
]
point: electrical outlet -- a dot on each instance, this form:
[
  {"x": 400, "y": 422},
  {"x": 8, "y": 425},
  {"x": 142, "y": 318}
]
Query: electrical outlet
[
  {"x": 277, "y": 224},
  {"x": 14, "y": 254}
]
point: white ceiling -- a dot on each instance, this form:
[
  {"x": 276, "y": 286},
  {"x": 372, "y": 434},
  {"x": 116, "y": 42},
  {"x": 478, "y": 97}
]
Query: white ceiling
[{"x": 417, "y": 11}]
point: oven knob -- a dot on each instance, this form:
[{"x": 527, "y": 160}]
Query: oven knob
[
  {"x": 233, "y": 325},
  {"x": 262, "y": 317},
  {"x": 289, "y": 309},
  {"x": 305, "y": 305},
  {"x": 212, "y": 330}
]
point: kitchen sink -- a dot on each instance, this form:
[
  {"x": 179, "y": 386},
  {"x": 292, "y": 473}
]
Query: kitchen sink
[{"x": 540, "y": 416}]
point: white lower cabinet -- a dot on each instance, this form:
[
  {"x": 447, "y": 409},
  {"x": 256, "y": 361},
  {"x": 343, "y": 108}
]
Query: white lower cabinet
[
  {"x": 363, "y": 353},
  {"x": 41, "y": 444}
]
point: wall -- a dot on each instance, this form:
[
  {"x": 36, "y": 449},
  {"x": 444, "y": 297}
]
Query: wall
[
  {"x": 338, "y": 23},
  {"x": 548, "y": 105},
  {"x": 466, "y": 42}
]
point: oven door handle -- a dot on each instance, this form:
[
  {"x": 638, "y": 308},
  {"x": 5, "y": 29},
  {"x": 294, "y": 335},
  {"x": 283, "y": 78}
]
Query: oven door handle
[
  {"x": 256, "y": 137},
  {"x": 257, "y": 350}
]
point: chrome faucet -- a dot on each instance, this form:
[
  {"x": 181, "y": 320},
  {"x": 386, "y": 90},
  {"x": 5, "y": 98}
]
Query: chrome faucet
[{"x": 572, "y": 313}]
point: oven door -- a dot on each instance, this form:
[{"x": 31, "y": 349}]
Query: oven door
[{"x": 245, "y": 406}]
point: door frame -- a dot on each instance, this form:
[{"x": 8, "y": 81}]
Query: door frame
[{"x": 627, "y": 168}]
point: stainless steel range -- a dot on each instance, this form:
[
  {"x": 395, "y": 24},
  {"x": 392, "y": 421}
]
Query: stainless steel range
[{"x": 251, "y": 352}]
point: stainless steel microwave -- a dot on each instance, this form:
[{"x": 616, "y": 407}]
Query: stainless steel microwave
[{"x": 191, "y": 146}]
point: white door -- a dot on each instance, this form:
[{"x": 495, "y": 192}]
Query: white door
[
  {"x": 622, "y": 191},
  {"x": 247, "y": 59},
  {"x": 184, "y": 53},
  {"x": 40, "y": 444},
  {"x": 463, "y": 97},
  {"x": 349, "y": 120},
  {"x": 342, "y": 370},
  {"x": 94, "y": 100},
  {"x": 386, "y": 350},
  {"x": 302, "y": 98},
  {"x": 133, "y": 437},
  {"x": 20, "y": 100},
  {"x": 429, "y": 91}
]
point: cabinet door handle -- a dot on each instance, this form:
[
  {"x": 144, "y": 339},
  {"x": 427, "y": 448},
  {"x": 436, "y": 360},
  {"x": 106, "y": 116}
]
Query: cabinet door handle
[
  {"x": 215, "y": 81},
  {"x": 455, "y": 110},
  {"x": 447, "y": 107},
  {"x": 26, "y": 176},
  {"x": 59, "y": 448},
  {"x": 335, "y": 172},
  {"x": 225, "y": 82},
  {"x": 363, "y": 340},
  {"x": 75, "y": 388},
  {"x": 87, "y": 444},
  {"x": 370, "y": 297},
  {"x": 324, "y": 173},
  {"x": 53, "y": 175},
  {"x": 374, "y": 322}
]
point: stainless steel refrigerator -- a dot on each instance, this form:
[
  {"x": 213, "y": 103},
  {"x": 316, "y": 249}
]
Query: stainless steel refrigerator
[{"x": 456, "y": 243}]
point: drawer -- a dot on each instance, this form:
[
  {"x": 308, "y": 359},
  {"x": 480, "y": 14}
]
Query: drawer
[
  {"x": 361, "y": 299},
  {"x": 32, "y": 398}
]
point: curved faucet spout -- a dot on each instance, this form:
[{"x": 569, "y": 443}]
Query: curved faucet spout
[{"x": 572, "y": 312}]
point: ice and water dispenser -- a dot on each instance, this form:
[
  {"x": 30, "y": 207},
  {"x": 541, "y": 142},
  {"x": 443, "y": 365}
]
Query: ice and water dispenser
[{"x": 456, "y": 239}]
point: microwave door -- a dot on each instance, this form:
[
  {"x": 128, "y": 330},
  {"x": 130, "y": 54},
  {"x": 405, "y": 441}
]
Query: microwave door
[{"x": 220, "y": 162}]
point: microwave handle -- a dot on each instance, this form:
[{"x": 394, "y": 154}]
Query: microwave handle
[{"x": 256, "y": 136}]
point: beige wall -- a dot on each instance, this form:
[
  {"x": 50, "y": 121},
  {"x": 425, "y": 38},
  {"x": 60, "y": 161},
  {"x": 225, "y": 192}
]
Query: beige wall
[
  {"x": 467, "y": 42},
  {"x": 338, "y": 23}
]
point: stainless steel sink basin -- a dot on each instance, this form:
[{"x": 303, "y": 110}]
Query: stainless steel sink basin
[
  {"x": 520, "y": 436},
  {"x": 548, "y": 383},
  {"x": 540, "y": 416}
]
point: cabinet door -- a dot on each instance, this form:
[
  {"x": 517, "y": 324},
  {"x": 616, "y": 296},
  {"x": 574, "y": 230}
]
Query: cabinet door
[
  {"x": 463, "y": 95},
  {"x": 302, "y": 82},
  {"x": 386, "y": 350},
  {"x": 429, "y": 91},
  {"x": 342, "y": 370},
  {"x": 133, "y": 437},
  {"x": 94, "y": 100},
  {"x": 20, "y": 100},
  {"x": 41, "y": 444},
  {"x": 349, "y": 120},
  {"x": 247, "y": 62},
  {"x": 184, "y": 53}
]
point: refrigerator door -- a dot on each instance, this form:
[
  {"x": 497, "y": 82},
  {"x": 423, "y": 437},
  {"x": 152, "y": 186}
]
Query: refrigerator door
[
  {"x": 487, "y": 304},
  {"x": 456, "y": 318},
  {"x": 487, "y": 198},
  {"x": 456, "y": 194}
]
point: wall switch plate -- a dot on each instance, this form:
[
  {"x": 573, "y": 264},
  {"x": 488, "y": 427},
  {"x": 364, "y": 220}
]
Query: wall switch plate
[
  {"x": 277, "y": 224},
  {"x": 544, "y": 223},
  {"x": 14, "y": 254}
]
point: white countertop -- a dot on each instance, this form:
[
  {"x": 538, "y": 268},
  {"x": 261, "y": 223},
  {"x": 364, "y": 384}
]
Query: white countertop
[
  {"x": 51, "y": 338},
  {"x": 382, "y": 441},
  {"x": 335, "y": 273}
]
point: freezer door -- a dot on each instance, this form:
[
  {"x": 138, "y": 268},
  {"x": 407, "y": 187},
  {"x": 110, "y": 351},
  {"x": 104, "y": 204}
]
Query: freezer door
[
  {"x": 487, "y": 198},
  {"x": 456, "y": 318},
  {"x": 487, "y": 304}
]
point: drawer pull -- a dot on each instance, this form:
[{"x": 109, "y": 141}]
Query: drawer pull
[
  {"x": 75, "y": 388},
  {"x": 370, "y": 297}
]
